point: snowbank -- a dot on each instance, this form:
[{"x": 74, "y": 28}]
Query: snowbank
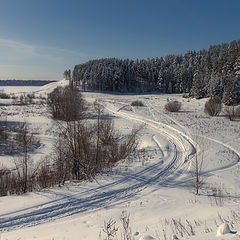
[{"x": 49, "y": 87}]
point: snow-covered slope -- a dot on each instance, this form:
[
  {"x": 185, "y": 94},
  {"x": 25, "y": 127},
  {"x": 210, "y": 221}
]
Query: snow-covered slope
[
  {"x": 155, "y": 187},
  {"x": 49, "y": 87}
]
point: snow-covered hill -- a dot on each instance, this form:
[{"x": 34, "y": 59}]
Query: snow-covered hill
[{"x": 155, "y": 188}]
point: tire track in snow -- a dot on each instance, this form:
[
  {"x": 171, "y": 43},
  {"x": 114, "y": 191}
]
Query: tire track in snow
[
  {"x": 162, "y": 129},
  {"x": 234, "y": 150},
  {"x": 104, "y": 196}
]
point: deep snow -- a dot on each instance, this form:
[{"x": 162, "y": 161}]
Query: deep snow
[{"x": 155, "y": 187}]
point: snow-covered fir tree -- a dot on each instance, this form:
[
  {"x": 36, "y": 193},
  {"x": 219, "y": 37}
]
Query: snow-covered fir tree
[{"x": 214, "y": 72}]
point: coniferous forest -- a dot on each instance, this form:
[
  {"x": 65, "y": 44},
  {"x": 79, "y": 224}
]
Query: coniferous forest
[{"x": 207, "y": 73}]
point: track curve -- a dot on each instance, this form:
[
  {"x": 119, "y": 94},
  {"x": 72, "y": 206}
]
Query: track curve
[{"x": 114, "y": 193}]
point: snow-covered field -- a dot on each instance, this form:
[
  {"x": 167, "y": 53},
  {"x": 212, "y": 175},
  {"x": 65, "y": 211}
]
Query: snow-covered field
[{"x": 155, "y": 188}]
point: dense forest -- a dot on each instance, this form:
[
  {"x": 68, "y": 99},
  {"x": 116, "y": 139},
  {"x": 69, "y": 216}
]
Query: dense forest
[
  {"x": 207, "y": 73},
  {"x": 14, "y": 82}
]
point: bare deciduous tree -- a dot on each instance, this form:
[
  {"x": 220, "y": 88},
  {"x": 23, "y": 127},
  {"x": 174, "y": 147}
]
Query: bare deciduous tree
[
  {"x": 197, "y": 171},
  {"x": 237, "y": 112},
  {"x": 3, "y": 132},
  {"x": 99, "y": 111},
  {"x": 26, "y": 140},
  {"x": 85, "y": 150},
  {"x": 73, "y": 149},
  {"x": 62, "y": 165},
  {"x": 230, "y": 112}
]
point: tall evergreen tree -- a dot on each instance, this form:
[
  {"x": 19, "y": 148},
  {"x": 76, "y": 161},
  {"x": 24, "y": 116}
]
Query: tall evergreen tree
[{"x": 212, "y": 72}]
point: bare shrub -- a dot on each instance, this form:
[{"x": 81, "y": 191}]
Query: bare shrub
[
  {"x": 45, "y": 175},
  {"x": 110, "y": 229},
  {"x": 197, "y": 171},
  {"x": 237, "y": 112},
  {"x": 230, "y": 112},
  {"x": 213, "y": 107},
  {"x": 74, "y": 157},
  {"x": 4, "y": 95},
  {"x": 127, "y": 232},
  {"x": 42, "y": 97},
  {"x": 30, "y": 97},
  {"x": 3, "y": 133},
  {"x": 216, "y": 195},
  {"x": 173, "y": 106},
  {"x": 130, "y": 144},
  {"x": 74, "y": 150},
  {"x": 9, "y": 183},
  {"x": 13, "y": 96},
  {"x": 83, "y": 150},
  {"x": 230, "y": 101},
  {"x": 137, "y": 103},
  {"x": 26, "y": 99},
  {"x": 61, "y": 164},
  {"x": 22, "y": 99},
  {"x": 15, "y": 182},
  {"x": 66, "y": 104},
  {"x": 26, "y": 140}
]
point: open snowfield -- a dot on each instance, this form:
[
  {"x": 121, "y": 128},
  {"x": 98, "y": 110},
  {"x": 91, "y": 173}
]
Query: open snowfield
[{"x": 155, "y": 187}]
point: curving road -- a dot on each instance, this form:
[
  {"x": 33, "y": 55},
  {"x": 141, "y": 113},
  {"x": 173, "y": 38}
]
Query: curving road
[{"x": 180, "y": 150}]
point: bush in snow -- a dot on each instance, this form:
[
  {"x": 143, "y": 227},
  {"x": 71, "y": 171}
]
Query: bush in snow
[
  {"x": 4, "y": 95},
  {"x": 66, "y": 104},
  {"x": 110, "y": 229},
  {"x": 213, "y": 107},
  {"x": 237, "y": 112},
  {"x": 137, "y": 103},
  {"x": 3, "y": 133},
  {"x": 22, "y": 179},
  {"x": 232, "y": 112},
  {"x": 83, "y": 151},
  {"x": 127, "y": 232},
  {"x": 173, "y": 106}
]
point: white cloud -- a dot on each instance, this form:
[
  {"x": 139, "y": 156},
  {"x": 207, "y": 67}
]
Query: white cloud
[
  {"x": 17, "y": 46},
  {"x": 20, "y": 59},
  {"x": 14, "y": 51}
]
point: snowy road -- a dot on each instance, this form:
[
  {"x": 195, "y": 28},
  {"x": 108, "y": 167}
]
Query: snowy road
[
  {"x": 148, "y": 186},
  {"x": 125, "y": 188}
]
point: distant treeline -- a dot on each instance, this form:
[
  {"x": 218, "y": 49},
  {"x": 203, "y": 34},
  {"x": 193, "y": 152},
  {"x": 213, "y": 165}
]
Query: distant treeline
[
  {"x": 25, "y": 82},
  {"x": 214, "y": 72}
]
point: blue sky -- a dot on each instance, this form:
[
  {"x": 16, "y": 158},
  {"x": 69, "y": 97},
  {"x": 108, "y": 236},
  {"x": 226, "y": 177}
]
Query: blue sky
[{"x": 39, "y": 39}]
